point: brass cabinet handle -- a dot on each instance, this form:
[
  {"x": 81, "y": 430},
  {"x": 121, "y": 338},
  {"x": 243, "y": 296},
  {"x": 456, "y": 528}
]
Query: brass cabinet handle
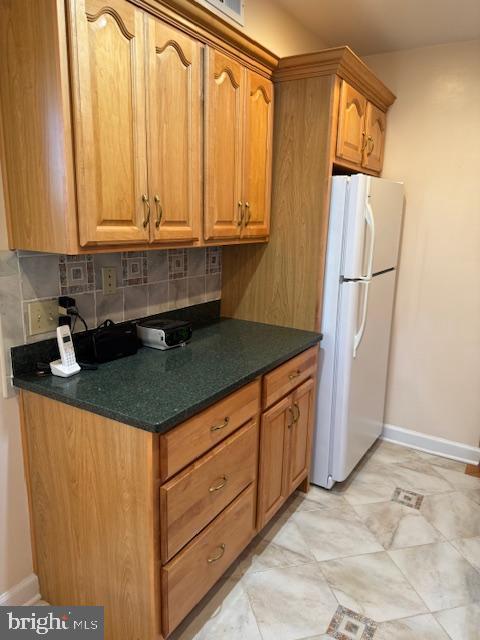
[
  {"x": 159, "y": 211},
  {"x": 297, "y": 411},
  {"x": 295, "y": 374},
  {"x": 247, "y": 215},
  {"x": 364, "y": 140},
  {"x": 292, "y": 422},
  {"x": 147, "y": 210},
  {"x": 220, "y": 485},
  {"x": 224, "y": 424},
  {"x": 219, "y": 554},
  {"x": 372, "y": 142},
  {"x": 240, "y": 206}
]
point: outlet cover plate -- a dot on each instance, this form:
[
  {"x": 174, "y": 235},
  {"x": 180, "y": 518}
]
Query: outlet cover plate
[
  {"x": 42, "y": 316},
  {"x": 109, "y": 280}
]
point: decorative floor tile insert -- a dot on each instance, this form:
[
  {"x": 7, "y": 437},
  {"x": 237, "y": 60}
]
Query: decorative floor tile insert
[
  {"x": 76, "y": 274},
  {"x": 134, "y": 268},
  {"x": 408, "y": 498},
  {"x": 349, "y": 625},
  {"x": 177, "y": 264}
]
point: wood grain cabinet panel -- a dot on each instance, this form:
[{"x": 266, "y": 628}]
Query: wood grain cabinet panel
[
  {"x": 108, "y": 49},
  {"x": 351, "y": 124},
  {"x": 188, "y": 577},
  {"x": 194, "y": 497},
  {"x": 375, "y": 125},
  {"x": 179, "y": 447},
  {"x": 174, "y": 90},
  {"x": 258, "y": 156},
  {"x": 273, "y": 460},
  {"x": 300, "y": 434},
  {"x": 224, "y": 117}
]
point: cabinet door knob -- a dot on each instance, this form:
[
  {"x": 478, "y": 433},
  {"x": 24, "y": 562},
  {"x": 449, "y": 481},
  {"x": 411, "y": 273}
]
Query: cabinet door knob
[
  {"x": 247, "y": 215},
  {"x": 146, "y": 201},
  {"x": 240, "y": 206},
  {"x": 217, "y": 427},
  {"x": 159, "y": 211},
  {"x": 292, "y": 421},
  {"x": 216, "y": 487},
  {"x": 297, "y": 412},
  {"x": 218, "y": 555}
]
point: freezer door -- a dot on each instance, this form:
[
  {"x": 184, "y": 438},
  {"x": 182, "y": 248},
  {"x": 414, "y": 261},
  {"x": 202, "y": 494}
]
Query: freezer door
[
  {"x": 386, "y": 202},
  {"x": 374, "y": 209},
  {"x": 360, "y": 381}
]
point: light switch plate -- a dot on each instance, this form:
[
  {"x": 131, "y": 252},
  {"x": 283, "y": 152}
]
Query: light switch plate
[
  {"x": 42, "y": 316},
  {"x": 109, "y": 280}
]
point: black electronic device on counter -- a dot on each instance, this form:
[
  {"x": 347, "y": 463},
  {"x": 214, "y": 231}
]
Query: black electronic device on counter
[{"x": 112, "y": 341}]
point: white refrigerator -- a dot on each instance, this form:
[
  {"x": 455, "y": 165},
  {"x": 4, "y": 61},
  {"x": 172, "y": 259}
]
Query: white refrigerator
[{"x": 361, "y": 269}]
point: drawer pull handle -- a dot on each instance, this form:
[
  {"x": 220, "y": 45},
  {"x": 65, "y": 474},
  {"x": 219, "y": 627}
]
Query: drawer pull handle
[
  {"x": 220, "y": 485},
  {"x": 292, "y": 421},
  {"x": 295, "y": 374},
  {"x": 218, "y": 556},
  {"x": 297, "y": 411},
  {"x": 217, "y": 427}
]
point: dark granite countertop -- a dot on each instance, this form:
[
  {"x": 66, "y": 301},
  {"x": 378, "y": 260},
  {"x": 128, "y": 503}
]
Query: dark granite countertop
[{"x": 156, "y": 390}]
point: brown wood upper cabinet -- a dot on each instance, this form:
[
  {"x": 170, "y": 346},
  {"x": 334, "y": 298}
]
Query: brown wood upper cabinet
[
  {"x": 361, "y": 131},
  {"x": 110, "y": 121},
  {"x": 137, "y": 87},
  {"x": 238, "y": 145}
]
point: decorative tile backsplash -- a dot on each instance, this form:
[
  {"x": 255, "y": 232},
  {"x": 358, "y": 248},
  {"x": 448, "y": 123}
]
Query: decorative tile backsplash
[{"x": 148, "y": 282}]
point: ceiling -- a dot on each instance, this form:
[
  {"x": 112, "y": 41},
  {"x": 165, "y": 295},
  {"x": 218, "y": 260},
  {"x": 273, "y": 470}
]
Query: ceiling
[{"x": 377, "y": 26}]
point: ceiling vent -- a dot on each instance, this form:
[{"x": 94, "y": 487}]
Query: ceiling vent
[{"x": 234, "y": 9}]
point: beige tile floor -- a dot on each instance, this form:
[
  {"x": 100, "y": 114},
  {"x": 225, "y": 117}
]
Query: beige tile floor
[{"x": 391, "y": 554}]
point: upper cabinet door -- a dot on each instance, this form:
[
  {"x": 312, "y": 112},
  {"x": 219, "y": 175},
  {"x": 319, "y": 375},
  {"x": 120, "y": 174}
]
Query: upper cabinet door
[
  {"x": 375, "y": 125},
  {"x": 224, "y": 123},
  {"x": 351, "y": 124},
  {"x": 174, "y": 133},
  {"x": 258, "y": 155},
  {"x": 301, "y": 434},
  {"x": 108, "y": 43}
]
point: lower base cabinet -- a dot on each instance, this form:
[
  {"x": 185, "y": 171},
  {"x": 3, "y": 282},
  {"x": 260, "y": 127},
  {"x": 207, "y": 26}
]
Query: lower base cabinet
[
  {"x": 145, "y": 524},
  {"x": 285, "y": 449}
]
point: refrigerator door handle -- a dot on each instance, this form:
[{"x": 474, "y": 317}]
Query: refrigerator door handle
[
  {"x": 359, "y": 335},
  {"x": 370, "y": 220}
]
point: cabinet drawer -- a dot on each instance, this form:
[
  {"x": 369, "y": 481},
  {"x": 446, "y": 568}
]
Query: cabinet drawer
[
  {"x": 188, "y": 577},
  {"x": 190, "y": 440},
  {"x": 192, "y": 499},
  {"x": 288, "y": 376}
]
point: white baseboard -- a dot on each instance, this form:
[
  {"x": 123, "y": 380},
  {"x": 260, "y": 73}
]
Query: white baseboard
[
  {"x": 431, "y": 444},
  {"x": 26, "y": 592}
]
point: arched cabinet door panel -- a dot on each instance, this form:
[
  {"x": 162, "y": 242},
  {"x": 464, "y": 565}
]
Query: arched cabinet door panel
[
  {"x": 258, "y": 155},
  {"x": 174, "y": 111},
  {"x": 351, "y": 124},
  {"x": 224, "y": 127},
  {"x": 375, "y": 125},
  {"x": 108, "y": 78}
]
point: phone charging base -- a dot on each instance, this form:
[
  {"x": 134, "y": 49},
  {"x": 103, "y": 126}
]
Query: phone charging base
[{"x": 64, "y": 371}]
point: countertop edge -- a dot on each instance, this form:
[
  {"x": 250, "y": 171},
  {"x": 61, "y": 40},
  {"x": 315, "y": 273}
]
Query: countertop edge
[{"x": 28, "y": 384}]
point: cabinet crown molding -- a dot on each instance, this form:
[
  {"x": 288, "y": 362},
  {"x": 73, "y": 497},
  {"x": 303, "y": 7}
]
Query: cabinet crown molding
[
  {"x": 343, "y": 62},
  {"x": 212, "y": 29}
]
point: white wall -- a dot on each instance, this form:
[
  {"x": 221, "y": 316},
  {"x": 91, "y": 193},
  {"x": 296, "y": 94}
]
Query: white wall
[
  {"x": 15, "y": 553},
  {"x": 433, "y": 144},
  {"x": 271, "y": 25}
]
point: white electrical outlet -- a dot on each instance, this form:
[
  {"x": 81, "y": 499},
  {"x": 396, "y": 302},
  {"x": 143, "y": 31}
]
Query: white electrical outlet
[
  {"x": 42, "y": 316},
  {"x": 109, "y": 280}
]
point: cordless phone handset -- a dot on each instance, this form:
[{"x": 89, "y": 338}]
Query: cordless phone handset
[{"x": 67, "y": 365}]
